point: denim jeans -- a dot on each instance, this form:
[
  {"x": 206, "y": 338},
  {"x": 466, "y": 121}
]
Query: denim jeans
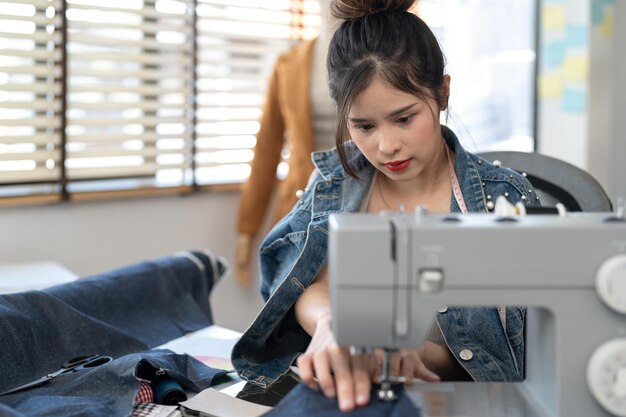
[
  {"x": 128, "y": 310},
  {"x": 304, "y": 402},
  {"x": 107, "y": 390}
]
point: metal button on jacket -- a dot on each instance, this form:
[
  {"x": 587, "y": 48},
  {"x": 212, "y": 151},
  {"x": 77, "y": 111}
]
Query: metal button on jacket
[
  {"x": 466, "y": 354},
  {"x": 443, "y": 309}
]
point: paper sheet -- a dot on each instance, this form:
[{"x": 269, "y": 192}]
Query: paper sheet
[
  {"x": 213, "y": 403},
  {"x": 211, "y": 346}
]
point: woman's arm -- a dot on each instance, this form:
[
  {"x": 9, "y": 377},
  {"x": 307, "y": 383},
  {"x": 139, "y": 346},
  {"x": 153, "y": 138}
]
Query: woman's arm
[
  {"x": 314, "y": 304},
  {"x": 441, "y": 361},
  {"x": 350, "y": 379}
]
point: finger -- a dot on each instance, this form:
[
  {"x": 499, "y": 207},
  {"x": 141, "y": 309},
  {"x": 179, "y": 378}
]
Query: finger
[
  {"x": 361, "y": 370},
  {"x": 396, "y": 360},
  {"x": 305, "y": 366},
  {"x": 321, "y": 365},
  {"x": 340, "y": 361},
  {"x": 378, "y": 365},
  {"x": 420, "y": 370}
]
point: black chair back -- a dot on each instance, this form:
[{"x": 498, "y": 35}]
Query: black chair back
[{"x": 556, "y": 181}]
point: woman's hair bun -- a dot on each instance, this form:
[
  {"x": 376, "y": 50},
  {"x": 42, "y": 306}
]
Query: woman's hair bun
[{"x": 354, "y": 9}]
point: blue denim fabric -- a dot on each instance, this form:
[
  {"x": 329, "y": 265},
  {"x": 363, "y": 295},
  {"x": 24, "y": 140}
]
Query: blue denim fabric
[
  {"x": 127, "y": 310},
  {"x": 304, "y": 402},
  {"x": 294, "y": 252},
  {"x": 105, "y": 391}
]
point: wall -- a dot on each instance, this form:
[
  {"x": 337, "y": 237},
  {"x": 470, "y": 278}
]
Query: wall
[
  {"x": 93, "y": 237},
  {"x": 563, "y": 79},
  {"x": 582, "y": 87},
  {"x": 606, "y": 146}
]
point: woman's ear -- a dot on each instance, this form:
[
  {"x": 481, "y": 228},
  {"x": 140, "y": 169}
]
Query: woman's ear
[{"x": 444, "y": 92}]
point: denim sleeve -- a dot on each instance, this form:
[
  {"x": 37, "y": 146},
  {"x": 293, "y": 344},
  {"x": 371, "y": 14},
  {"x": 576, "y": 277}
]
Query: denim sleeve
[{"x": 284, "y": 243}]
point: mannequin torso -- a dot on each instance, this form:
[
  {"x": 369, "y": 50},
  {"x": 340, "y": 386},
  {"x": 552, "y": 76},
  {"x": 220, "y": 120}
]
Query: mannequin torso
[{"x": 323, "y": 109}]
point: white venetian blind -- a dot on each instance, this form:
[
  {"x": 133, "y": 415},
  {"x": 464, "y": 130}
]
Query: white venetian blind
[
  {"x": 129, "y": 85},
  {"x": 130, "y": 94},
  {"x": 238, "y": 43},
  {"x": 30, "y": 91}
]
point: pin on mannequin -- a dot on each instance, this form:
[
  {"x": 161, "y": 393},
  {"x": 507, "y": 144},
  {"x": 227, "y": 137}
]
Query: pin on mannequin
[{"x": 298, "y": 115}]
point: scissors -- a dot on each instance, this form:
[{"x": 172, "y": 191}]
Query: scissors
[{"x": 76, "y": 364}]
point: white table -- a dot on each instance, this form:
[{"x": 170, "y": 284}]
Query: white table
[{"x": 25, "y": 276}]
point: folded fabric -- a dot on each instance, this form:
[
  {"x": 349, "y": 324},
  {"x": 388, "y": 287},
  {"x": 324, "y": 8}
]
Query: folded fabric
[
  {"x": 127, "y": 310},
  {"x": 107, "y": 390},
  {"x": 304, "y": 402}
]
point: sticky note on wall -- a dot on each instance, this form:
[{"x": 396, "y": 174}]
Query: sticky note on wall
[
  {"x": 606, "y": 28},
  {"x": 577, "y": 37},
  {"x": 553, "y": 16},
  {"x": 576, "y": 68},
  {"x": 550, "y": 85},
  {"x": 574, "y": 100},
  {"x": 553, "y": 54}
]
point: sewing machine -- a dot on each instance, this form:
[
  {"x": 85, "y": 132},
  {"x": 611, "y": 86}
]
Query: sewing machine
[{"x": 390, "y": 273}]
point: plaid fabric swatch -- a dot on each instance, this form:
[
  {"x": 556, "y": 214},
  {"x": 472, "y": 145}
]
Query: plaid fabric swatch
[
  {"x": 155, "y": 410},
  {"x": 145, "y": 394}
]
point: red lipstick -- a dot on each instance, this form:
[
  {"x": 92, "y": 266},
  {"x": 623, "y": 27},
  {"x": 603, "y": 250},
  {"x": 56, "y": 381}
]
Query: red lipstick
[{"x": 398, "y": 165}]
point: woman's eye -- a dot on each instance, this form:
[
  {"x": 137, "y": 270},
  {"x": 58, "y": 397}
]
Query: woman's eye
[
  {"x": 364, "y": 127},
  {"x": 404, "y": 119}
]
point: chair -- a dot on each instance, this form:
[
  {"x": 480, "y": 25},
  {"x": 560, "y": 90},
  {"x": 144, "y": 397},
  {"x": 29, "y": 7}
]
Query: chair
[{"x": 556, "y": 181}]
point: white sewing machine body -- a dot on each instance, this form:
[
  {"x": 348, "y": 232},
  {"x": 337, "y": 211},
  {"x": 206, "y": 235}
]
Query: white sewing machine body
[{"x": 390, "y": 273}]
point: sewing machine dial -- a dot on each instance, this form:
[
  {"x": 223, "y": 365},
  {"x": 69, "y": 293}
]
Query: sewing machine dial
[
  {"x": 611, "y": 283},
  {"x": 606, "y": 376}
]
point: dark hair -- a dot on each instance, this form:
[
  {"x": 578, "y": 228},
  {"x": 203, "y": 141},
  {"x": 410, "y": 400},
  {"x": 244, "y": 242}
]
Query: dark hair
[{"x": 380, "y": 38}]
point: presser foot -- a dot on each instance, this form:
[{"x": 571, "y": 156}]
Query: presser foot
[{"x": 386, "y": 393}]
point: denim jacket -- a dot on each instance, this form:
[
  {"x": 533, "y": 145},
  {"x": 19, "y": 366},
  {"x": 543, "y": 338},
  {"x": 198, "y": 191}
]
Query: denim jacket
[{"x": 295, "y": 250}]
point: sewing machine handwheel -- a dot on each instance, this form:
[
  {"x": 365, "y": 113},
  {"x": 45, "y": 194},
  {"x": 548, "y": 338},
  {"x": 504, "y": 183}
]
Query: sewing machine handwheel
[
  {"x": 606, "y": 376},
  {"x": 611, "y": 283}
]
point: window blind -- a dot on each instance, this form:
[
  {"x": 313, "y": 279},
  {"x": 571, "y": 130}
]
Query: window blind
[
  {"x": 31, "y": 73},
  {"x": 238, "y": 43},
  {"x": 128, "y": 91},
  {"x": 129, "y": 94}
]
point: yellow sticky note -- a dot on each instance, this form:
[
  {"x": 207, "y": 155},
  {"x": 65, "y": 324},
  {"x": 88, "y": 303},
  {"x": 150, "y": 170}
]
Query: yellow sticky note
[
  {"x": 550, "y": 85},
  {"x": 553, "y": 17},
  {"x": 575, "y": 68},
  {"x": 606, "y": 27}
]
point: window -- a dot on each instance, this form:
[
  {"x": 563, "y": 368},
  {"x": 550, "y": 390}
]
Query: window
[
  {"x": 31, "y": 70},
  {"x": 136, "y": 94},
  {"x": 492, "y": 61},
  {"x": 166, "y": 94}
]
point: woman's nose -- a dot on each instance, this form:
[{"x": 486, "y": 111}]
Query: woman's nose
[{"x": 388, "y": 143}]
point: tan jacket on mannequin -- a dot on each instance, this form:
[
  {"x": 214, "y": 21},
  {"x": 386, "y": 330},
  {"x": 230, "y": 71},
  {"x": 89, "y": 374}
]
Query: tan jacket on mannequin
[{"x": 287, "y": 119}]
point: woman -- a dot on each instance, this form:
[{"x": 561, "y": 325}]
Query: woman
[{"x": 386, "y": 77}]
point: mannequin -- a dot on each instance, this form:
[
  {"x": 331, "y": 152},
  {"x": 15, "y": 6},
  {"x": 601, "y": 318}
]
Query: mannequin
[{"x": 298, "y": 113}]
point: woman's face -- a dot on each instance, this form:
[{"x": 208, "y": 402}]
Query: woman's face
[{"x": 399, "y": 133}]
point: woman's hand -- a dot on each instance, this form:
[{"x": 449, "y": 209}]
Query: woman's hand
[
  {"x": 405, "y": 363},
  {"x": 349, "y": 377},
  {"x": 334, "y": 370}
]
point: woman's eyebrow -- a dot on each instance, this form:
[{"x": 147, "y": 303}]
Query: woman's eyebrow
[
  {"x": 389, "y": 116},
  {"x": 400, "y": 110}
]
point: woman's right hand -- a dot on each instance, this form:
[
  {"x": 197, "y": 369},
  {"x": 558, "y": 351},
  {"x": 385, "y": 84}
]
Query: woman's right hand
[{"x": 334, "y": 370}]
